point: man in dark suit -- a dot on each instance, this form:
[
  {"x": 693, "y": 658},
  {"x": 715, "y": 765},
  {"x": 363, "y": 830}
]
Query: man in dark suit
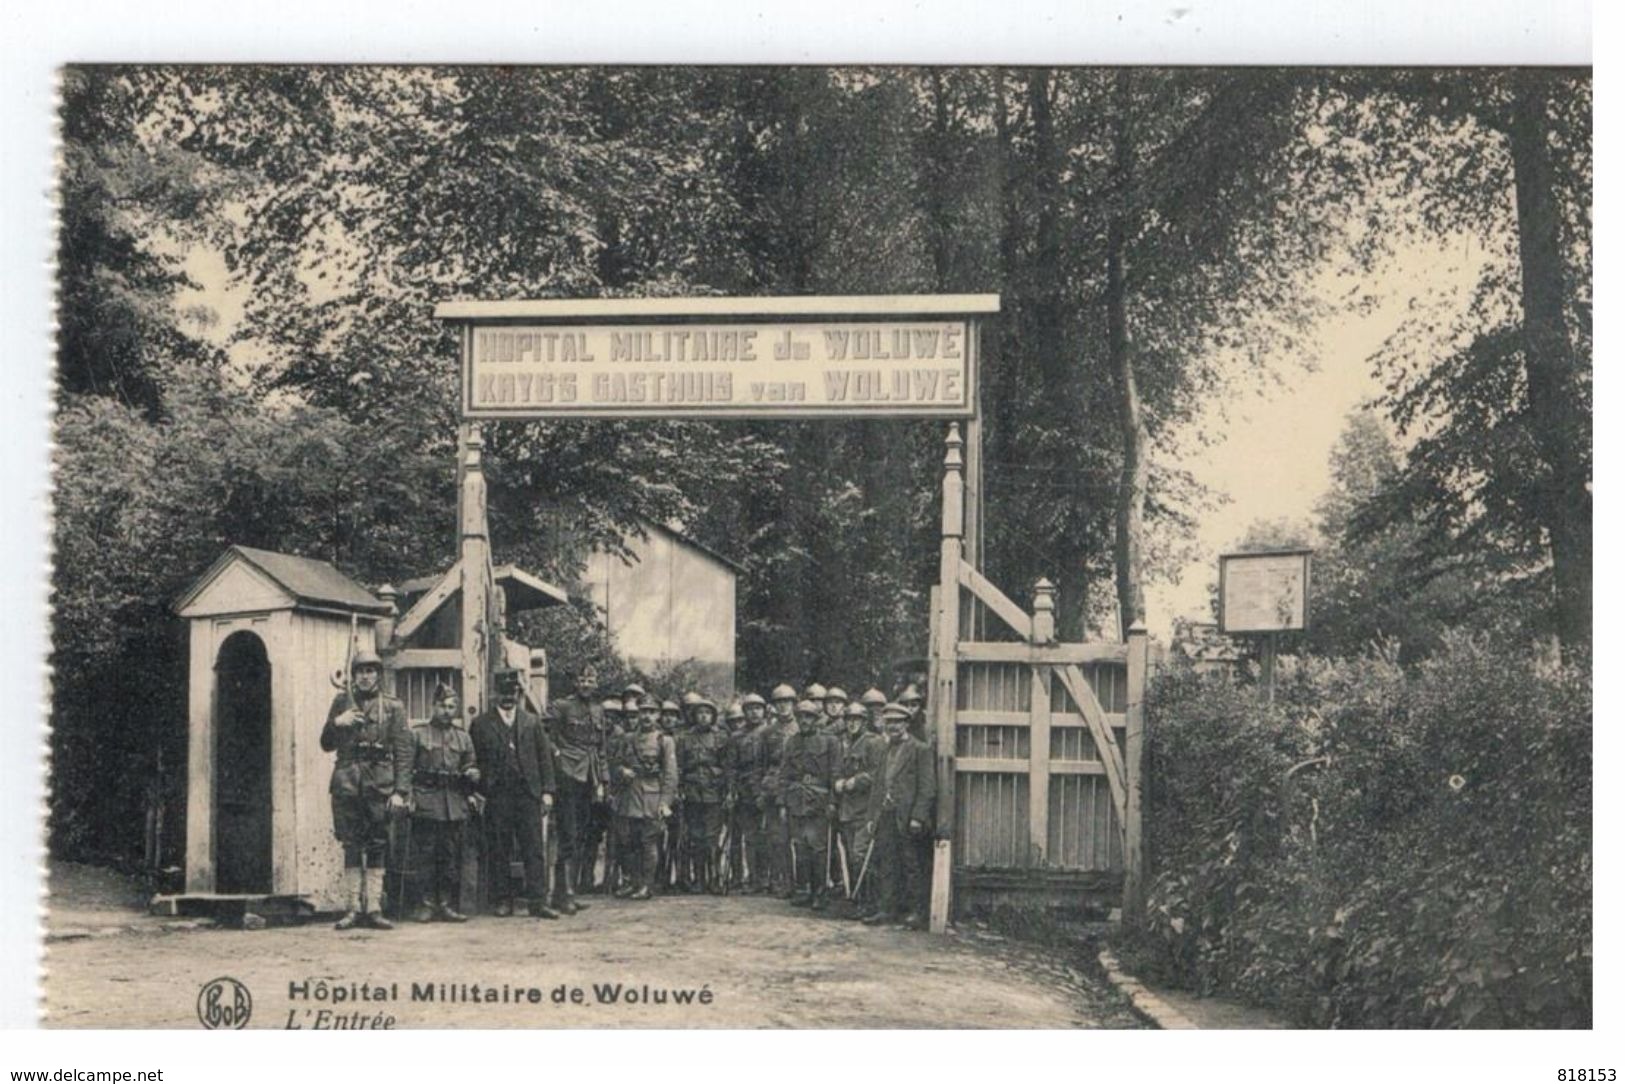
[
  {"x": 518, "y": 782},
  {"x": 901, "y": 799}
]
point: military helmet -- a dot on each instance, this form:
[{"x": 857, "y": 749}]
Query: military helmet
[
  {"x": 648, "y": 703},
  {"x": 669, "y": 705},
  {"x": 855, "y": 711},
  {"x": 703, "y": 702},
  {"x": 835, "y": 693},
  {"x": 735, "y": 711},
  {"x": 783, "y": 692},
  {"x": 751, "y": 698},
  {"x": 611, "y": 703},
  {"x": 366, "y": 656},
  {"x": 815, "y": 691},
  {"x": 911, "y": 695},
  {"x": 634, "y": 692},
  {"x": 806, "y": 707},
  {"x": 874, "y": 697},
  {"x": 896, "y": 711},
  {"x": 690, "y": 698}
]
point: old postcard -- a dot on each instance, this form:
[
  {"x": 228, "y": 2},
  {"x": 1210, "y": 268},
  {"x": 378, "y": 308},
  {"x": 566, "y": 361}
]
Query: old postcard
[{"x": 821, "y": 547}]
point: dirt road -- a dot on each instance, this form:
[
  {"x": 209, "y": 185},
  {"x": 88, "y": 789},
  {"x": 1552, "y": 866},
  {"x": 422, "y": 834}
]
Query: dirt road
[{"x": 761, "y": 962}]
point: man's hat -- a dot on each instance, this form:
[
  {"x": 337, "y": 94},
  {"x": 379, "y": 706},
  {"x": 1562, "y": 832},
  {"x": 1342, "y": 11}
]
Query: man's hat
[
  {"x": 703, "y": 702},
  {"x": 815, "y": 691},
  {"x": 366, "y": 656},
  {"x": 610, "y": 703},
  {"x": 911, "y": 695},
  {"x": 442, "y": 691},
  {"x": 806, "y": 707},
  {"x": 835, "y": 693},
  {"x": 783, "y": 692},
  {"x": 874, "y": 697},
  {"x": 855, "y": 711},
  {"x": 506, "y": 680},
  {"x": 752, "y": 698},
  {"x": 896, "y": 711},
  {"x": 669, "y": 705}
]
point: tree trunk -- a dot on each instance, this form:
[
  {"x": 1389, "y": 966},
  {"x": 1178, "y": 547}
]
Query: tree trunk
[
  {"x": 1129, "y": 546},
  {"x": 1555, "y": 400}
]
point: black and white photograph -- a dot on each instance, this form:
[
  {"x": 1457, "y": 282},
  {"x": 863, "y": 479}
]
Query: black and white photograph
[{"x": 804, "y": 547}]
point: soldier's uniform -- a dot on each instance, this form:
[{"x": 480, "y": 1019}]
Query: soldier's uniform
[
  {"x": 373, "y": 762},
  {"x": 576, "y": 725},
  {"x": 806, "y": 776},
  {"x": 860, "y": 760},
  {"x": 738, "y": 824},
  {"x": 754, "y": 802},
  {"x": 645, "y": 763},
  {"x": 903, "y": 799},
  {"x": 873, "y": 701},
  {"x": 705, "y": 771},
  {"x": 780, "y": 726},
  {"x": 443, "y": 775}
]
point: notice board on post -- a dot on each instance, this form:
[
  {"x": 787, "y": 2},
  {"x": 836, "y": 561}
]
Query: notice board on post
[
  {"x": 1265, "y": 591},
  {"x": 718, "y": 357}
]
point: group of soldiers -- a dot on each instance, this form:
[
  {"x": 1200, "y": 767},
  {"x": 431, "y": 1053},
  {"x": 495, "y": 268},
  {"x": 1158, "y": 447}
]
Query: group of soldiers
[{"x": 807, "y": 796}]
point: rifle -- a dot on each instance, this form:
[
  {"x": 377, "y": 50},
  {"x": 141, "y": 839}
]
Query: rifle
[
  {"x": 866, "y": 856},
  {"x": 846, "y": 873},
  {"x": 722, "y": 862}
]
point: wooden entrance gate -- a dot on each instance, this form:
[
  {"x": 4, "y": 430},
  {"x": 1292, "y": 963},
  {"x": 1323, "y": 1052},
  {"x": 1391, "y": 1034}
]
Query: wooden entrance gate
[{"x": 1039, "y": 743}]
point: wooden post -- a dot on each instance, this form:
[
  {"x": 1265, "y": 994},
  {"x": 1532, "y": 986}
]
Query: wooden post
[
  {"x": 945, "y": 672},
  {"x": 475, "y": 549},
  {"x": 1266, "y": 667},
  {"x": 1038, "y": 728},
  {"x": 1134, "y": 765},
  {"x": 383, "y": 631}
]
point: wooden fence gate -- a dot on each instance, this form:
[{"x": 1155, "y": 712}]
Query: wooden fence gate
[{"x": 1039, "y": 743}]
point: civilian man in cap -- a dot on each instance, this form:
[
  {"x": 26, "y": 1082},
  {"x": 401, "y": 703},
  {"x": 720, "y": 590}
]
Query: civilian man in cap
[
  {"x": 753, "y": 801},
  {"x": 372, "y": 779},
  {"x": 874, "y": 701},
  {"x": 645, "y": 763},
  {"x": 912, "y": 699},
  {"x": 861, "y": 757},
  {"x": 806, "y": 775},
  {"x": 781, "y": 725},
  {"x": 444, "y": 775},
  {"x": 576, "y": 725},
  {"x": 705, "y": 774},
  {"x": 902, "y": 801},
  {"x": 518, "y": 781},
  {"x": 920, "y": 729}
]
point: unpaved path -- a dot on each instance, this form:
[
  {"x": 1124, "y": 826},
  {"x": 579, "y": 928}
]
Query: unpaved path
[{"x": 764, "y": 963}]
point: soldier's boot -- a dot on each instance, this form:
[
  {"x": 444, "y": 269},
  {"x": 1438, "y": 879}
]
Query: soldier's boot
[
  {"x": 564, "y": 896},
  {"x": 374, "y": 915},
  {"x": 540, "y": 909},
  {"x": 422, "y": 913},
  {"x": 347, "y": 921},
  {"x": 352, "y": 905}
]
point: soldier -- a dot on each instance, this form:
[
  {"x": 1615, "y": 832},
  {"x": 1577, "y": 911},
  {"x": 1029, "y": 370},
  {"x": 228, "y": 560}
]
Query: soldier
[
  {"x": 912, "y": 699},
  {"x": 816, "y": 693},
  {"x": 752, "y": 801},
  {"x": 874, "y": 701},
  {"x": 517, "y": 782},
  {"x": 576, "y": 725},
  {"x": 734, "y": 727},
  {"x": 901, "y": 802},
  {"x": 920, "y": 729},
  {"x": 705, "y": 769},
  {"x": 778, "y": 730},
  {"x": 806, "y": 774},
  {"x": 614, "y": 716},
  {"x": 835, "y": 707},
  {"x": 645, "y": 761},
  {"x": 861, "y": 753},
  {"x": 671, "y": 717},
  {"x": 372, "y": 777},
  {"x": 444, "y": 774}
]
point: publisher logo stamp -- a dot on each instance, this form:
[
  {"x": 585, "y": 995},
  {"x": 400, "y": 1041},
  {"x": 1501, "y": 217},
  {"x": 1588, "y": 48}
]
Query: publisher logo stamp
[{"x": 224, "y": 1003}]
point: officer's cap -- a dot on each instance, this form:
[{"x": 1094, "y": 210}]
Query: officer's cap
[
  {"x": 873, "y": 697},
  {"x": 752, "y": 698},
  {"x": 806, "y": 707},
  {"x": 835, "y": 693},
  {"x": 895, "y": 711},
  {"x": 366, "y": 657},
  {"x": 855, "y": 711},
  {"x": 911, "y": 695},
  {"x": 815, "y": 691},
  {"x": 783, "y": 692}
]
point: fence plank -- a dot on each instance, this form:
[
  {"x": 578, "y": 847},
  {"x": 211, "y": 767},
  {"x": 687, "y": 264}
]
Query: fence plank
[
  {"x": 1105, "y": 741},
  {"x": 995, "y": 600},
  {"x": 1038, "y": 767},
  {"x": 1047, "y": 654}
]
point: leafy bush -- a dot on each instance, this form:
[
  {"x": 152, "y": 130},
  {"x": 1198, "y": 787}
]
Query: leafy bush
[{"x": 1379, "y": 848}]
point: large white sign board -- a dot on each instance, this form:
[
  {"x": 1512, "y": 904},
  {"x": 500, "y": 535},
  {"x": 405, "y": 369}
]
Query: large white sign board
[
  {"x": 912, "y": 356},
  {"x": 1264, "y": 592}
]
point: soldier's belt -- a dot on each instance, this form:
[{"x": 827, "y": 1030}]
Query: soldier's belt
[{"x": 432, "y": 779}]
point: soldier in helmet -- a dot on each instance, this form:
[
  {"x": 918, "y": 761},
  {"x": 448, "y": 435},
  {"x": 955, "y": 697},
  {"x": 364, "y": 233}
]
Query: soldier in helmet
[
  {"x": 444, "y": 774},
  {"x": 874, "y": 701},
  {"x": 372, "y": 780},
  {"x": 576, "y": 725},
  {"x": 733, "y": 727},
  {"x": 781, "y": 725},
  {"x": 671, "y": 717},
  {"x": 753, "y": 802},
  {"x": 835, "y": 708},
  {"x": 645, "y": 763},
  {"x": 705, "y": 771},
  {"x": 816, "y": 693},
  {"x": 860, "y": 755},
  {"x": 806, "y": 775},
  {"x": 615, "y": 716},
  {"x": 912, "y": 699},
  {"x": 518, "y": 782}
]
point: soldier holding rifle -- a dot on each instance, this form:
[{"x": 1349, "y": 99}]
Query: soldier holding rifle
[
  {"x": 806, "y": 775},
  {"x": 372, "y": 775},
  {"x": 645, "y": 764},
  {"x": 705, "y": 772},
  {"x": 861, "y": 756}
]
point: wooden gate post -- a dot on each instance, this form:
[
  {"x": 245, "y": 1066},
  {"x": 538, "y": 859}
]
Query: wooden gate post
[
  {"x": 1134, "y": 772},
  {"x": 945, "y": 673}
]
